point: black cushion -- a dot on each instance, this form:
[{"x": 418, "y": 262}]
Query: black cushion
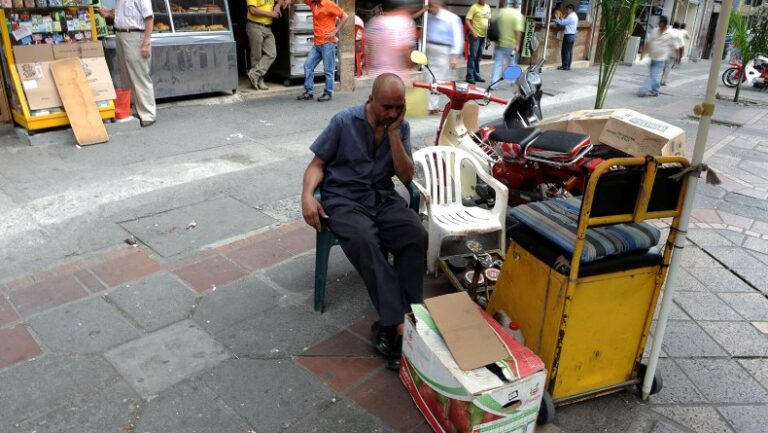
[
  {"x": 520, "y": 136},
  {"x": 560, "y": 141}
]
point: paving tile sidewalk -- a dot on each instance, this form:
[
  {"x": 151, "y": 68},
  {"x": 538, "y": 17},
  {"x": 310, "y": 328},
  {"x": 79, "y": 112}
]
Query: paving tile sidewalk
[{"x": 226, "y": 340}]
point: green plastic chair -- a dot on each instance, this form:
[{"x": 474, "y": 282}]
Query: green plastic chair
[{"x": 326, "y": 240}]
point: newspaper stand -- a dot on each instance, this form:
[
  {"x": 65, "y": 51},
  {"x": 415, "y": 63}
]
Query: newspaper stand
[{"x": 589, "y": 321}]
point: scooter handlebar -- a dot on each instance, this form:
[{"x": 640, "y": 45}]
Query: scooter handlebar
[{"x": 498, "y": 99}]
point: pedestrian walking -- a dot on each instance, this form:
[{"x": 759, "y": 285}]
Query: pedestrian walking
[
  {"x": 133, "y": 21},
  {"x": 675, "y": 58},
  {"x": 511, "y": 22},
  {"x": 445, "y": 43},
  {"x": 355, "y": 158},
  {"x": 391, "y": 37},
  {"x": 477, "y": 20},
  {"x": 569, "y": 23},
  {"x": 327, "y": 18},
  {"x": 662, "y": 44},
  {"x": 260, "y": 38}
]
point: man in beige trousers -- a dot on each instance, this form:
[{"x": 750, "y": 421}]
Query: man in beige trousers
[
  {"x": 261, "y": 39},
  {"x": 133, "y": 22}
]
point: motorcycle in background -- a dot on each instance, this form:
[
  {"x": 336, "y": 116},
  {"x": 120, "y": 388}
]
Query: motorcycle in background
[
  {"x": 535, "y": 165},
  {"x": 754, "y": 73}
]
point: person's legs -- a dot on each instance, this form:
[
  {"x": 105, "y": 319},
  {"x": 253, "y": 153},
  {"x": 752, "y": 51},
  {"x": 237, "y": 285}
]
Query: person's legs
[
  {"x": 269, "y": 51},
  {"x": 329, "y": 65},
  {"x": 474, "y": 45},
  {"x": 313, "y": 58},
  {"x": 502, "y": 56},
  {"x": 440, "y": 63},
  {"x": 567, "y": 51},
  {"x": 657, "y": 68},
  {"x": 138, "y": 71},
  {"x": 255, "y": 40},
  {"x": 401, "y": 232},
  {"x": 478, "y": 56},
  {"x": 359, "y": 237}
]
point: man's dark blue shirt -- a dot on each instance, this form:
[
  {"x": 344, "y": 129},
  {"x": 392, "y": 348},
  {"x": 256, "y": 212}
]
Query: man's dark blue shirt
[{"x": 355, "y": 170}]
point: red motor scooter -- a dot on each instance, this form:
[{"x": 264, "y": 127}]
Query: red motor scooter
[{"x": 534, "y": 164}]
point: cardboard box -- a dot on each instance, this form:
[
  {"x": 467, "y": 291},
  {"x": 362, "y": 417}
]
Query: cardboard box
[
  {"x": 502, "y": 399},
  {"x": 623, "y": 129},
  {"x": 33, "y": 64}
]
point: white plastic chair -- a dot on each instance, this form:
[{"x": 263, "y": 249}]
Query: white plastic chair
[{"x": 446, "y": 214}]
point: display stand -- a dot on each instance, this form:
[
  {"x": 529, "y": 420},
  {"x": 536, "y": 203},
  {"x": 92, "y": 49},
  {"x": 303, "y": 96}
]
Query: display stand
[
  {"x": 193, "y": 49},
  {"x": 20, "y": 110}
]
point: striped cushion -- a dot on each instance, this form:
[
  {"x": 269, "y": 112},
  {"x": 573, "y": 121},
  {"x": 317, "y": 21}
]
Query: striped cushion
[{"x": 557, "y": 220}]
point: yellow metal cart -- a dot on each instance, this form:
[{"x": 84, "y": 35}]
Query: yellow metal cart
[
  {"x": 19, "y": 106},
  {"x": 589, "y": 321}
]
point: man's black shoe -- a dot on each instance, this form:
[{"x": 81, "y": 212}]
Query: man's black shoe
[
  {"x": 480, "y": 79},
  {"x": 145, "y": 123},
  {"x": 326, "y": 97},
  {"x": 388, "y": 343}
]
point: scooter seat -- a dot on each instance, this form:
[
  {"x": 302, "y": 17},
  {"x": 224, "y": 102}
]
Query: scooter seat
[
  {"x": 563, "y": 142},
  {"x": 521, "y": 136}
]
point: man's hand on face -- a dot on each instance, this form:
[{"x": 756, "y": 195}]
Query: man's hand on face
[
  {"x": 313, "y": 211},
  {"x": 395, "y": 125}
]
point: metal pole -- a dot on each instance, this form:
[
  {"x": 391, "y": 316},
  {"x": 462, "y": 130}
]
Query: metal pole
[
  {"x": 708, "y": 108},
  {"x": 546, "y": 31},
  {"x": 424, "y": 19}
]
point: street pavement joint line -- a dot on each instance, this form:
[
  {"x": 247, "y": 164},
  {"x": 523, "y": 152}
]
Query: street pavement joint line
[
  {"x": 719, "y": 145},
  {"x": 126, "y": 316},
  {"x": 734, "y": 272}
]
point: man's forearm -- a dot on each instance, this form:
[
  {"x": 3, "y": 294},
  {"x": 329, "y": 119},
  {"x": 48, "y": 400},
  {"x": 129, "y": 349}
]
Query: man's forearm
[
  {"x": 404, "y": 168},
  {"x": 149, "y": 24},
  {"x": 312, "y": 178}
]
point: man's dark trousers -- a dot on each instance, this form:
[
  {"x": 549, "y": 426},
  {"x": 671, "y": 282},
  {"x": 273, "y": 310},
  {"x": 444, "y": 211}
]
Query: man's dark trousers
[
  {"x": 566, "y": 51},
  {"x": 476, "y": 46},
  {"x": 365, "y": 234}
]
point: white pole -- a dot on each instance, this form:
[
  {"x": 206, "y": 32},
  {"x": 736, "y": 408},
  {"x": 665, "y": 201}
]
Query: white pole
[
  {"x": 546, "y": 31},
  {"x": 424, "y": 19},
  {"x": 708, "y": 108}
]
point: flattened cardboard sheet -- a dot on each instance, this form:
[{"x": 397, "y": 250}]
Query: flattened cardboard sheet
[
  {"x": 468, "y": 336},
  {"x": 78, "y": 101}
]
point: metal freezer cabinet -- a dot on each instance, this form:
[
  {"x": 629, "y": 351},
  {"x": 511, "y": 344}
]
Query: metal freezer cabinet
[{"x": 193, "y": 49}]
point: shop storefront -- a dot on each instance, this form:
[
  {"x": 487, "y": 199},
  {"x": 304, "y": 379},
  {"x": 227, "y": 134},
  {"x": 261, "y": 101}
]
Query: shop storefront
[{"x": 548, "y": 37}]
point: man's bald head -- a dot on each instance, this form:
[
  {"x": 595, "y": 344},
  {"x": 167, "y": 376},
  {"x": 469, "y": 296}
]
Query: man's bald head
[
  {"x": 387, "y": 84},
  {"x": 387, "y": 100}
]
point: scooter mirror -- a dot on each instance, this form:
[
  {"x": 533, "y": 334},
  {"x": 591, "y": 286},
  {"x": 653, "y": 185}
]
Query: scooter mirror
[
  {"x": 419, "y": 58},
  {"x": 512, "y": 72}
]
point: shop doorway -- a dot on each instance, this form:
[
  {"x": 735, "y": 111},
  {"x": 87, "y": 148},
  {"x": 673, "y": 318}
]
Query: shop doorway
[{"x": 707, "y": 53}]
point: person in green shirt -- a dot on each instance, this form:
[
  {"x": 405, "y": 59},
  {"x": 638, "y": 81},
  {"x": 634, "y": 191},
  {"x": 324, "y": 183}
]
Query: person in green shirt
[
  {"x": 477, "y": 20},
  {"x": 511, "y": 23}
]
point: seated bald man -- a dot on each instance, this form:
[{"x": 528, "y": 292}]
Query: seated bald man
[{"x": 356, "y": 157}]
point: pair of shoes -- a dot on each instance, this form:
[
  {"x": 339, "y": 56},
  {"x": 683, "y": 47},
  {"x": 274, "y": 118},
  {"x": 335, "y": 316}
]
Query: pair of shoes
[
  {"x": 652, "y": 94},
  {"x": 388, "y": 343},
  {"x": 145, "y": 123},
  {"x": 325, "y": 97},
  {"x": 471, "y": 81},
  {"x": 480, "y": 79},
  {"x": 562, "y": 68},
  {"x": 261, "y": 85},
  {"x": 306, "y": 96},
  {"x": 254, "y": 78}
]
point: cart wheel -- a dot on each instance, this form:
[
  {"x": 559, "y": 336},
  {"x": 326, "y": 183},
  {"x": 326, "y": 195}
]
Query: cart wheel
[
  {"x": 547, "y": 410},
  {"x": 657, "y": 383}
]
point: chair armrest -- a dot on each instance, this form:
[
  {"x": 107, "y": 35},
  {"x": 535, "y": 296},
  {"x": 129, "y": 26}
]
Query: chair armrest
[
  {"x": 423, "y": 192},
  {"x": 415, "y": 194},
  {"x": 502, "y": 193}
]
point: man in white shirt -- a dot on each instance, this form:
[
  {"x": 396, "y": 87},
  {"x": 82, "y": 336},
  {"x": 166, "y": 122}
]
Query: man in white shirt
[
  {"x": 569, "y": 23},
  {"x": 661, "y": 45},
  {"x": 445, "y": 43},
  {"x": 133, "y": 23},
  {"x": 673, "y": 60}
]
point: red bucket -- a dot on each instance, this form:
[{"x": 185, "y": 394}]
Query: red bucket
[{"x": 122, "y": 103}]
